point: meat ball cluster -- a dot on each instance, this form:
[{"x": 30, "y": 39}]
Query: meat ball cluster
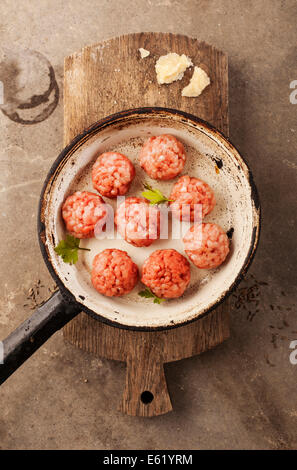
[
  {"x": 207, "y": 245},
  {"x": 138, "y": 222},
  {"x": 114, "y": 273},
  {"x": 162, "y": 157},
  {"x": 166, "y": 273},
  {"x": 112, "y": 174},
  {"x": 191, "y": 198},
  {"x": 81, "y": 212}
]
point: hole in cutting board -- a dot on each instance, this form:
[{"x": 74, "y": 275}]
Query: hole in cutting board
[{"x": 146, "y": 397}]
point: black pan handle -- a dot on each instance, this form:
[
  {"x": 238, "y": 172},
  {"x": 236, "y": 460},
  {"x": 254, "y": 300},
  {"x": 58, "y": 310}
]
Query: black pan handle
[{"x": 35, "y": 331}]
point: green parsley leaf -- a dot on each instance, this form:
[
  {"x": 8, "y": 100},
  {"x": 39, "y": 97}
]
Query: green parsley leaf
[
  {"x": 68, "y": 249},
  {"x": 148, "y": 294},
  {"x": 155, "y": 196}
]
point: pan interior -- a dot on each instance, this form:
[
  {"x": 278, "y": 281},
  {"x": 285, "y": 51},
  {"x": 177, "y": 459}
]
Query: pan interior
[{"x": 234, "y": 210}]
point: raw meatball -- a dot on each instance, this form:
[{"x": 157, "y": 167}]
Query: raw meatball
[
  {"x": 112, "y": 174},
  {"x": 138, "y": 222},
  {"x": 206, "y": 245},
  {"x": 166, "y": 273},
  {"x": 114, "y": 273},
  {"x": 82, "y": 211},
  {"x": 162, "y": 157},
  {"x": 188, "y": 192}
]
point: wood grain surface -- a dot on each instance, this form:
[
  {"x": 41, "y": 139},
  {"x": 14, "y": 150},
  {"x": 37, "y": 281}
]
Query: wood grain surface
[{"x": 105, "y": 78}]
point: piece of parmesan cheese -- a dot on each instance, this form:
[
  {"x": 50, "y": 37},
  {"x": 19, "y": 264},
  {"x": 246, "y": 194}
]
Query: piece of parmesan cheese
[
  {"x": 143, "y": 52},
  {"x": 171, "y": 67},
  {"x": 198, "y": 82}
]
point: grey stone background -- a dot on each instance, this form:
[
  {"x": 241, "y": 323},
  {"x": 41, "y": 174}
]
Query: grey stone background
[{"x": 243, "y": 393}]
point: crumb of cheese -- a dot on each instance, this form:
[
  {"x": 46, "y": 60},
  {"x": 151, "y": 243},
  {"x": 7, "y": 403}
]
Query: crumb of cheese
[
  {"x": 198, "y": 82},
  {"x": 171, "y": 67},
  {"x": 143, "y": 52}
]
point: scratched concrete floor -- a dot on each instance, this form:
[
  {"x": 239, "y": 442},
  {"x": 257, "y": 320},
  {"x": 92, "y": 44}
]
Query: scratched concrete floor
[{"x": 242, "y": 395}]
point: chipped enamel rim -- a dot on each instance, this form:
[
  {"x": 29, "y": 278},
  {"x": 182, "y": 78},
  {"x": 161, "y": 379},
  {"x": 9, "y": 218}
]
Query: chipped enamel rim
[{"x": 121, "y": 120}]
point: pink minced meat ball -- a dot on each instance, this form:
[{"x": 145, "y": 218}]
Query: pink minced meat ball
[
  {"x": 162, "y": 157},
  {"x": 207, "y": 245},
  {"x": 82, "y": 211},
  {"x": 187, "y": 193},
  {"x": 138, "y": 222},
  {"x": 166, "y": 273},
  {"x": 114, "y": 273},
  {"x": 112, "y": 174}
]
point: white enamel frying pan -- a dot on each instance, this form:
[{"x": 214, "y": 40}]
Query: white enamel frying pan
[{"x": 211, "y": 157}]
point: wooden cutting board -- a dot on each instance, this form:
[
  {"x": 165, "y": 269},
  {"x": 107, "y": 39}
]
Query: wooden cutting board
[{"x": 100, "y": 80}]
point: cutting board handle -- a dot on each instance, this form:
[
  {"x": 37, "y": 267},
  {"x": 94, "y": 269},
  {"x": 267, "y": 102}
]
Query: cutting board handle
[{"x": 145, "y": 392}]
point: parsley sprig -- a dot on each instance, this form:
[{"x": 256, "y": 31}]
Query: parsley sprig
[
  {"x": 68, "y": 249},
  {"x": 155, "y": 196},
  {"x": 148, "y": 294}
]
